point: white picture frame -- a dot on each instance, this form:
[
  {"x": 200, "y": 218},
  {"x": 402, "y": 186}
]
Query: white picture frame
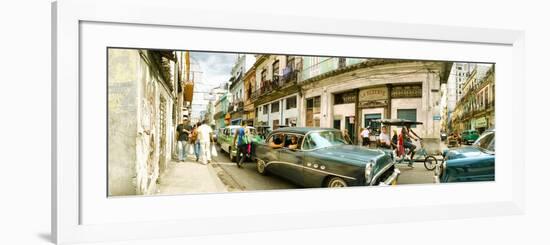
[{"x": 69, "y": 197}]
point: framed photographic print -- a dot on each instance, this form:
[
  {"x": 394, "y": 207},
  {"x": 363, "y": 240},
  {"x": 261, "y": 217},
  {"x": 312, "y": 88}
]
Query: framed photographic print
[{"x": 196, "y": 123}]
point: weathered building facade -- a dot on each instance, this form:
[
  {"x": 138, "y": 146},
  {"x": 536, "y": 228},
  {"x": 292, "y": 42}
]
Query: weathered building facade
[
  {"x": 476, "y": 108},
  {"x": 142, "y": 91},
  {"x": 353, "y": 94},
  {"x": 249, "y": 81},
  {"x": 276, "y": 96}
]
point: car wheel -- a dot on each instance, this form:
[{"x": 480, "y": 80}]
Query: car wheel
[
  {"x": 430, "y": 163},
  {"x": 335, "y": 182},
  {"x": 231, "y": 157},
  {"x": 260, "y": 167}
]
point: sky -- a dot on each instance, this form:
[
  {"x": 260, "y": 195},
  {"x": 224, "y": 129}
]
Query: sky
[{"x": 214, "y": 68}]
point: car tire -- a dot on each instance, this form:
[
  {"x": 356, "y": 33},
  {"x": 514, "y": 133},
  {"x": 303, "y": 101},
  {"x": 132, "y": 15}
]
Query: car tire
[
  {"x": 260, "y": 167},
  {"x": 334, "y": 182},
  {"x": 231, "y": 157},
  {"x": 430, "y": 163}
]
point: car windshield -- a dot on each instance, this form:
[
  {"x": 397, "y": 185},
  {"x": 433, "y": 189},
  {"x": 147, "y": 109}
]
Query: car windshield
[
  {"x": 323, "y": 139},
  {"x": 486, "y": 141}
]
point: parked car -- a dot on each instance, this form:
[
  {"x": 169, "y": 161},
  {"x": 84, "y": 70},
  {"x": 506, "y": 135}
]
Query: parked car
[
  {"x": 469, "y": 163},
  {"x": 469, "y": 136},
  {"x": 225, "y": 140},
  {"x": 319, "y": 157}
]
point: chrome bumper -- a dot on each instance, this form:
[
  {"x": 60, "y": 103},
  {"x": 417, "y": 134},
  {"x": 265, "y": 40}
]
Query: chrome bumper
[
  {"x": 392, "y": 179},
  {"x": 437, "y": 174}
]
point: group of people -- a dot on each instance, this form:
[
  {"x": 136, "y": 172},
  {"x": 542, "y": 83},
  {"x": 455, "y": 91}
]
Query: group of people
[
  {"x": 399, "y": 142},
  {"x": 197, "y": 137}
]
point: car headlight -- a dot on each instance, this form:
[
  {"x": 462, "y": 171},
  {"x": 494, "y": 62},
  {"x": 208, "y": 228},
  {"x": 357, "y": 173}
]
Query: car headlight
[{"x": 369, "y": 171}]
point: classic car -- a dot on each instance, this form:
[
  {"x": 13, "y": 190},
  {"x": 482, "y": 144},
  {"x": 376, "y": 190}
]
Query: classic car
[
  {"x": 469, "y": 136},
  {"x": 319, "y": 157},
  {"x": 469, "y": 163},
  {"x": 225, "y": 139}
]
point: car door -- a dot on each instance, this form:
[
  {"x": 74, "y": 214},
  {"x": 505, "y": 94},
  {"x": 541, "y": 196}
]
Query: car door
[
  {"x": 265, "y": 153},
  {"x": 291, "y": 162}
]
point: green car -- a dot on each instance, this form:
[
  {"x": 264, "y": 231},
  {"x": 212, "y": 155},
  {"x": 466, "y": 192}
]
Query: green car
[
  {"x": 469, "y": 136},
  {"x": 320, "y": 157},
  {"x": 225, "y": 139}
]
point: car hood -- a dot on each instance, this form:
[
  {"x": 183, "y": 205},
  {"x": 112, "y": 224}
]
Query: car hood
[
  {"x": 352, "y": 152},
  {"x": 465, "y": 152}
]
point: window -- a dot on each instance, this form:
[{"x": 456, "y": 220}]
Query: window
[
  {"x": 316, "y": 140},
  {"x": 275, "y": 107},
  {"x": 344, "y": 98},
  {"x": 275, "y": 69},
  {"x": 291, "y": 102},
  {"x": 313, "y": 107},
  {"x": 407, "y": 114},
  {"x": 266, "y": 109},
  {"x": 293, "y": 141},
  {"x": 275, "y": 123},
  {"x": 290, "y": 122},
  {"x": 264, "y": 75}
]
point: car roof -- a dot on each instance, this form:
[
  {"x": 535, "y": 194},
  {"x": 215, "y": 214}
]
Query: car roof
[
  {"x": 236, "y": 126},
  {"x": 300, "y": 130},
  {"x": 396, "y": 122}
]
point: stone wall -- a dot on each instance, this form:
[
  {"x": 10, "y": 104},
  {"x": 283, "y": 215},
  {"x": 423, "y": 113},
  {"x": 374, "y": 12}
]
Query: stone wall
[{"x": 122, "y": 120}]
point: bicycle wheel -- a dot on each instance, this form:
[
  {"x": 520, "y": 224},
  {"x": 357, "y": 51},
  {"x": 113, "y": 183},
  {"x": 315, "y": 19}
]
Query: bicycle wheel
[{"x": 430, "y": 162}]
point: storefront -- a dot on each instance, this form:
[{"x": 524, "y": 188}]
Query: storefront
[
  {"x": 480, "y": 124},
  {"x": 373, "y": 104}
]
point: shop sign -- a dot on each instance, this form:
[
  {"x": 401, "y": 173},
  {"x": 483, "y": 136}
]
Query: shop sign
[
  {"x": 370, "y": 94},
  {"x": 373, "y": 104},
  {"x": 481, "y": 122},
  {"x": 407, "y": 91}
]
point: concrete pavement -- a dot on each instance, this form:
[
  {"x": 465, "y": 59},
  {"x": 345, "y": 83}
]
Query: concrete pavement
[{"x": 190, "y": 177}]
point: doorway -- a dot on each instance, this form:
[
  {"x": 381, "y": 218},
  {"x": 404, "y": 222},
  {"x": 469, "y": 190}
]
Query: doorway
[{"x": 350, "y": 126}]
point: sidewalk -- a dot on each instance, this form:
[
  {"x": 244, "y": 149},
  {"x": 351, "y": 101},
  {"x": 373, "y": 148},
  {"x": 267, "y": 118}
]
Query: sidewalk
[{"x": 189, "y": 177}]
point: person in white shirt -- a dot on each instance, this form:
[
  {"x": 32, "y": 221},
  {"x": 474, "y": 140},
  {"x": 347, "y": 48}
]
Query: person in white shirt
[
  {"x": 205, "y": 137},
  {"x": 365, "y": 135},
  {"x": 384, "y": 139}
]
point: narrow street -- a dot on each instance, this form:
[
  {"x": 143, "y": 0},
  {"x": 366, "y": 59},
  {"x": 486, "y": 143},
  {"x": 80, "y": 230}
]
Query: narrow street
[{"x": 222, "y": 175}]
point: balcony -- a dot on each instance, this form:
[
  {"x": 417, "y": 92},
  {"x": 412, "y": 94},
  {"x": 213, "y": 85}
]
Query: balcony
[
  {"x": 289, "y": 78},
  {"x": 235, "y": 106}
]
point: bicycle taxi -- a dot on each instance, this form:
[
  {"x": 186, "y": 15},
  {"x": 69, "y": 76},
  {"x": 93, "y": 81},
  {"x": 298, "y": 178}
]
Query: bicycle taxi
[{"x": 427, "y": 152}]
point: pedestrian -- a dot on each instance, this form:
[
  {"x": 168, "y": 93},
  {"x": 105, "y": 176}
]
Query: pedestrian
[
  {"x": 195, "y": 141},
  {"x": 182, "y": 134},
  {"x": 242, "y": 140},
  {"x": 394, "y": 139},
  {"x": 204, "y": 133},
  {"x": 384, "y": 139},
  {"x": 365, "y": 136}
]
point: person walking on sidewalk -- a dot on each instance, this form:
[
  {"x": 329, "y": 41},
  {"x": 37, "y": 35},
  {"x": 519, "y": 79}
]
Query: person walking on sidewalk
[
  {"x": 182, "y": 134},
  {"x": 195, "y": 141},
  {"x": 242, "y": 140},
  {"x": 205, "y": 137}
]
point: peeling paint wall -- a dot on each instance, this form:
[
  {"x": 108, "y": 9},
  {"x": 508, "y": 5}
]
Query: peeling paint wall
[
  {"x": 139, "y": 135},
  {"x": 122, "y": 119}
]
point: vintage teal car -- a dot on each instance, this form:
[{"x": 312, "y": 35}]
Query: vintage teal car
[
  {"x": 469, "y": 163},
  {"x": 319, "y": 157}
]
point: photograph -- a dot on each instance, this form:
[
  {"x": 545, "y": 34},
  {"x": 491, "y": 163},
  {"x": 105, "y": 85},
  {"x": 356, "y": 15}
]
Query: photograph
[{"x": 202, "y": 121}]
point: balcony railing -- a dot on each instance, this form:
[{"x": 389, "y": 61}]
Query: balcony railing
[
  {"x": 289, "y": 77},
  {"x": 235, "y": 106}
]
